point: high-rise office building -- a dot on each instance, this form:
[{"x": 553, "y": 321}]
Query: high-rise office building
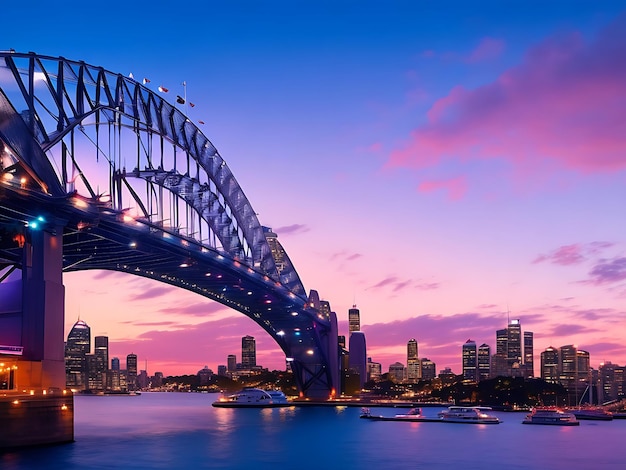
[
  {"x": 529, "y": 361},
  {"x": 484, "y": 362},
  {"x": 413, "y": 369},
  {"x": 131, "y": 372},
  {"x": 514, "y": 343},
  {"x": 550, "y": 365},
  {"x": 231, "y": 362},
  {"x": 78, "y": 345},
  {"x": 113, "y": 377},
  {"x": 510, "y": 356},
  {"x": 428, "y": 369},
  {"x": 354, "y": 319},
  {"x": 101, "y": 351},
  {"x": 470, "y": 362},
  {"x": 248, "y": 352},
  {"x": 357, "y": 360}
]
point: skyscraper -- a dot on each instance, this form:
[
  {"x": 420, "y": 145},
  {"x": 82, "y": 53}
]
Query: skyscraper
[
  {"x": 428, "y": 369},
  {"x": 514, "y": 343},
  {"x": 510, "y": 356},
  {"x": 414, "y": 372},
  {"x": 101, "y": 351},
  {"x": 354, "y": 319},
  {"x": 131, "y": 371},
  {"x": 470, "y": 371},
  {"x": 248, "y": 352},
  {"x": 529, "y": 362},
  {"x": 358, "y": 356},
  {"x": 78, "y": 344},
  {"x": 550, "y": 365},
  {"x": 484, "y": 362},
  {"x": 231, "y": 362}
]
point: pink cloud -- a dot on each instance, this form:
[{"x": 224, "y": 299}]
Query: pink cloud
[
  {"x": 564, "y": 106},
  {"x": 455, "y": 187},
  {"x": 489, "y": 48},
  {"x": 572, "y": 254}
]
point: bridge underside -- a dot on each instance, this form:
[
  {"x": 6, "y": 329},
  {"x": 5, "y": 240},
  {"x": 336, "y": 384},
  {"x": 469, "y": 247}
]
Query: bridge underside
[{"x": 97, "y": 237}]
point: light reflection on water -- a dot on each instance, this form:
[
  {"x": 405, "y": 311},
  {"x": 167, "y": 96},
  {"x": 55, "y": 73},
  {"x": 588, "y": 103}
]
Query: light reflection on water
[{"x": 176, "y": 430}]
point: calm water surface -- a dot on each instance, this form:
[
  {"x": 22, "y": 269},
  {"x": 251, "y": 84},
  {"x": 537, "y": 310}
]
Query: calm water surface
[{"x": 183, "y": 430}]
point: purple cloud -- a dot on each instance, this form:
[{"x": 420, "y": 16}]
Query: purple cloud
[
  {"x": 152, "y": 293},
  {"x": 608, "y": 271},
  {"x": 292, "y": 229},
  {"x": 575, "y": 253}
]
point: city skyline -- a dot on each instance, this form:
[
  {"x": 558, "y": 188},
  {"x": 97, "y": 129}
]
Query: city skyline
[{"x": 439, "y": 169}]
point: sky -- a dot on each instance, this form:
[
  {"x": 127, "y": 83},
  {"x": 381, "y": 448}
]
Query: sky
[{"x": 443, "y": 166}]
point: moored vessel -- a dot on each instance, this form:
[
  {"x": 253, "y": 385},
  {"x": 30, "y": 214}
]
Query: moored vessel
[
  {"x": 597, "y": 414},
  {"x": 250, "y": 397},
  {"x": 468, "y": 414},
  {"x": 550, "y": 416}
]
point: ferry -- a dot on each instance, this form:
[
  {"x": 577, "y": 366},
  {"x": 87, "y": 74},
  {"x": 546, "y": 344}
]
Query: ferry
[
  {"x": 551, "y": 416},
  {"x": 468, "y": 415},
  {"x": 250, "y": 397}
]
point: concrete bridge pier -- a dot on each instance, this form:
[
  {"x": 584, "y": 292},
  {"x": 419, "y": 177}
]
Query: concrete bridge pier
[{"x": 37, "y": 409}]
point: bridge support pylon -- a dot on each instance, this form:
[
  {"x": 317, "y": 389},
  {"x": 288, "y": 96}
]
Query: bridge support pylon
[{"x": 37, "y": 409}]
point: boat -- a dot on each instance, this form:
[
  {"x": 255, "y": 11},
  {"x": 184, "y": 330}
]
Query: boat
[
  {"x": 250, "y": 397},
  {"x": 551, "y": 416},
  {"x": 413, "y": 415},
  {"x": 468, "y": 414},
  {"x": 597, "y": 414}
]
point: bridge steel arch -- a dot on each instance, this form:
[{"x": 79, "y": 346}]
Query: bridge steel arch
[{"x": 132, "y": 185}]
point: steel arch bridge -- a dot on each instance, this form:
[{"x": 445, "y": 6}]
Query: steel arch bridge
[{"x": 134, "y": 186}]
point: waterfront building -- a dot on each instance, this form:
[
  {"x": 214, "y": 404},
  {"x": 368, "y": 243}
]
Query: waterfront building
[
  {"x": 222, "y": 370},
  {"x": 529, "y": 361},
  {"x": 357, "y": 361},
  {"x": 428, "y": 369},
  {"x": 374, "y": 370},
  {"x": 397, "y": 372},
  {"x": 608, "y": 387},
  {"x": 550, "y": 371},
  {"x": 354, "y": 319},
  {"x": 470, "y": 362},
  {"x": 341, "y": 341},
  {"x": 157, "y": 379},
  {"x": 204, "y": 375},
  {"x": 231, "y": 360},
  {"x": 93, "y": 373},
  {"x": 131, "y": 372},
  {"x": 413, "y": 369},
  {"x": 513, "y": 358},
  {"x": 248, "y": 352},
  {"x": 78, "y": 344},
  {"x": 101, "y": 351},
  {"x": 113, "y": 379},
  {"x": 484, "y": 362}
]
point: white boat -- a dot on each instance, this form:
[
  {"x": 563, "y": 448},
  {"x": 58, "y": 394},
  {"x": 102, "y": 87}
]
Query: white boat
[
  {"x": 251, "y": 397},
  {"x": 468, "y": 414},
  {"x": 411, "y": 414},
  {"x": 550, "y": 416}
]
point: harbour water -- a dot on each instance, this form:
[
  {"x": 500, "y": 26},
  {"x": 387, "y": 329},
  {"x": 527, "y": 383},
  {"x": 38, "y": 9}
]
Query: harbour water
[{"x": 183, "y": 430}]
